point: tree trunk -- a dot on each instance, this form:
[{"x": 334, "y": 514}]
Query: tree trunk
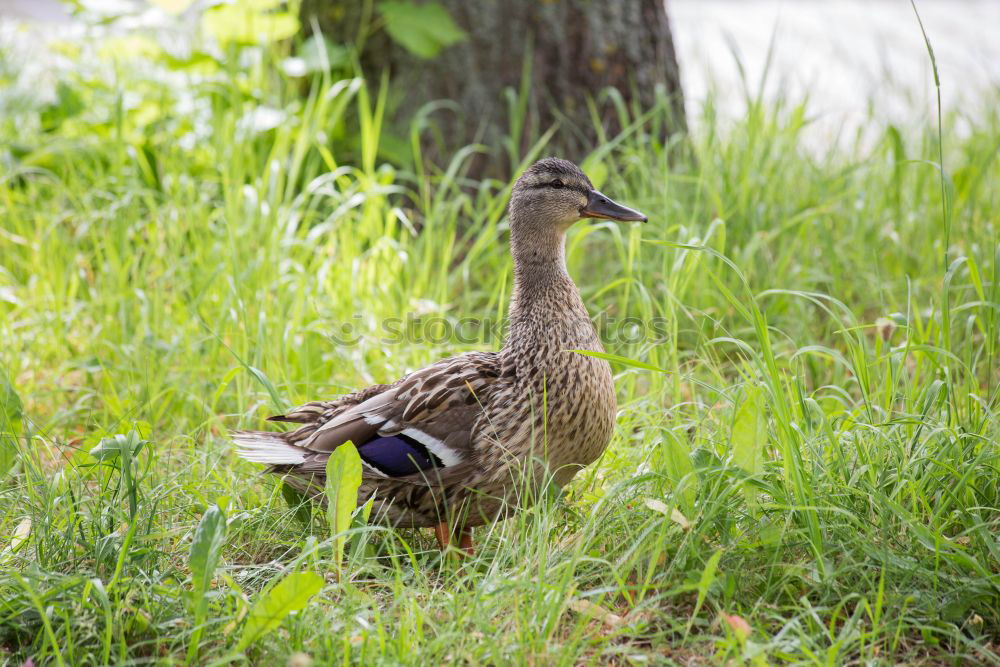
[{"x": 571, "y": 51}]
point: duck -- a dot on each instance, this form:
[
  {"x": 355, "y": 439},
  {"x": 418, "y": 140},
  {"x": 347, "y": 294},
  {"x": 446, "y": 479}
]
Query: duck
[{"x": 469, "y": 439}]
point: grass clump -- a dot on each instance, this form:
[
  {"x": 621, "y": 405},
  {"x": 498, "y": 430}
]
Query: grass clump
[{"x": 812, "y": 476}]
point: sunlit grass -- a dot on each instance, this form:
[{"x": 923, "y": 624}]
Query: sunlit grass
[{"x": 820, "y": 450}]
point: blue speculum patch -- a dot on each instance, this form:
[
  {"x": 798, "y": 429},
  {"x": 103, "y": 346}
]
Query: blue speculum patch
[{"x": 397, "y": 455}]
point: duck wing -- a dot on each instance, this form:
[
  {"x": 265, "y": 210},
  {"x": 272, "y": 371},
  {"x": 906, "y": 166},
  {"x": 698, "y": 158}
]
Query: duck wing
[{"x": 426, "y": 420}]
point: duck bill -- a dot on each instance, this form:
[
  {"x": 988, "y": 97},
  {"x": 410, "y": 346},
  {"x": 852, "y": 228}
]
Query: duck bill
[{"x": 601, "y": 206}]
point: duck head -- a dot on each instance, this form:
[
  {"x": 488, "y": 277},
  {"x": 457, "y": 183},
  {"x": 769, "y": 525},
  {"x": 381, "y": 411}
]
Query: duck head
[{"x": 556, "y": 193}]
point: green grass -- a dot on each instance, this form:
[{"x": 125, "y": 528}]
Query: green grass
[{"x": 825, "y": 422}]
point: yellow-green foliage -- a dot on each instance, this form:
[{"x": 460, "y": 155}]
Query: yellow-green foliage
[{"x": 816, "y": 395}]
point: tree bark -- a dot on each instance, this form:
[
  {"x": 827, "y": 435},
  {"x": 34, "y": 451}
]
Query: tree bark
[{"x": 570, "y": 51}]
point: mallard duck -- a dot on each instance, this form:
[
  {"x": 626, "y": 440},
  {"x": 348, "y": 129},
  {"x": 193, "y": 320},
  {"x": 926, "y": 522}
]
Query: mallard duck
[{"x": 448, "y": 446}]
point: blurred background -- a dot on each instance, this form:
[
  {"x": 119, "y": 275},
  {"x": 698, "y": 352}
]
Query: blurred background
[{"x": 841, "y": 55}]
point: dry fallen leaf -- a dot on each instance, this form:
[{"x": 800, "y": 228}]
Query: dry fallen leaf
[
  {"x": 300, "y": 659},
  {"x": 884, "y": 327},
  {"x": 20, "y": 535},
  {"x": 657, "y": 506},
  {"x": 596, "y": 612},
  {"x": 675, "y": 514}
]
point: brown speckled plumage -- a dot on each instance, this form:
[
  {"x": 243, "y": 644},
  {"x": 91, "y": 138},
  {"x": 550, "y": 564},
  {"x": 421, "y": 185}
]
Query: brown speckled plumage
[{"x": 492, "y": 419}]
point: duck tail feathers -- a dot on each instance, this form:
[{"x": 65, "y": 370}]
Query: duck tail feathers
[
  {"x": 268, "y": 448},
  {"x": 290, "y": 419}
]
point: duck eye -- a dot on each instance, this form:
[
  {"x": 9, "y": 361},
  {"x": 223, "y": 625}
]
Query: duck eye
[{"x": 556, "y": 184}]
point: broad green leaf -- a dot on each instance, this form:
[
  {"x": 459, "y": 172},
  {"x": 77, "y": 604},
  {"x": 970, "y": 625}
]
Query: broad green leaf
[
  {"x": 673, "y": 456},
  {"x": 750, "y": 432},
  {"x": 197, "y": 62},
  {"x": 118, "y": 445},
  {"x": 748, "y": 439},
  {"x": 290, "y": 594},
  {"x": 206, "y": 548},
  {"x": 708, "y": 576},
  {"x": 977, "y": 282},
  {"x": 343, "y": 479},
  {"x": 11, "y": 414},
  {"x": 422, "y": 29},
  {"x": 248, "y": 23},
  {"x": 68, "y": 104},
  {"x": 705, "y": 582}
]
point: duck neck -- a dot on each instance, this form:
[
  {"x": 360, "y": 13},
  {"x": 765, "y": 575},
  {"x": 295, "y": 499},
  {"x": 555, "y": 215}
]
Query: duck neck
[
  {"x": 543, "y": 289},
  {"x": 539, "y": 258}
]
